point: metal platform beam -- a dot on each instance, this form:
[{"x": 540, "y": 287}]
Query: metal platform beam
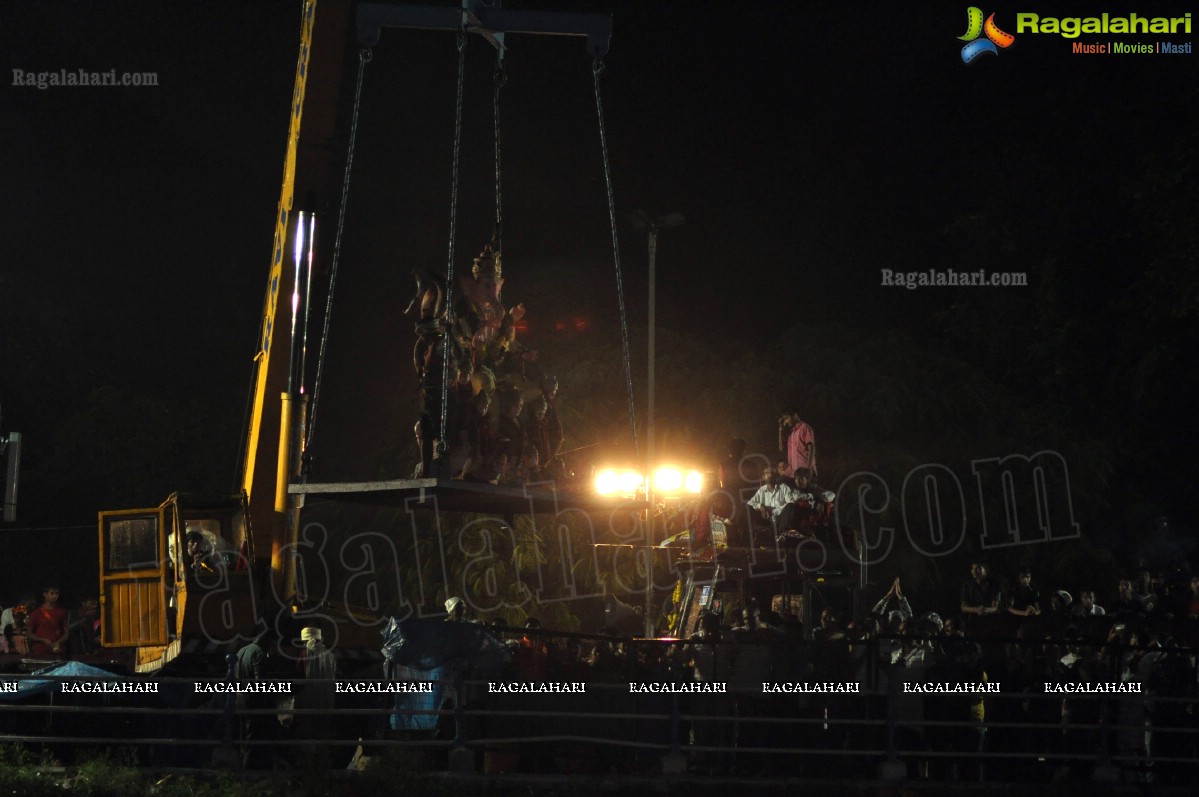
[
  {"x": 452, "y": 495},
  {"x": 373, "y": 17}
]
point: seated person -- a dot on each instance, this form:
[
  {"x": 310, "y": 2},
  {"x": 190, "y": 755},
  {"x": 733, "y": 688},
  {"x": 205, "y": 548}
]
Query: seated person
[
  {"x": 818, "y": 500},
  {"x": 776, "y": 502},
  {"x": 780, "y": 469},
  {"x": 203, "y": 561},
  {"x": 805, "y": 484}
]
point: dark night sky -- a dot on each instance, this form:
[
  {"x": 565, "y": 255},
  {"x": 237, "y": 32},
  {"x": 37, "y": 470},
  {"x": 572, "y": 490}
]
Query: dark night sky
[{"x": 808, "y": 144}]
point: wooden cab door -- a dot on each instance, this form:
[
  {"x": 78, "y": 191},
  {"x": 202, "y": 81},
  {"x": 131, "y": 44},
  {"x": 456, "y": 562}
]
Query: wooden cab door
[{"x": 133, "y": 570}]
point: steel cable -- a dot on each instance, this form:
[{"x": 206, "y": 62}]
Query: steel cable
[
  {"x": 449, "y": 287},
  {"x": 596, "y": 70},
  {"x": 364, "y": 57}
]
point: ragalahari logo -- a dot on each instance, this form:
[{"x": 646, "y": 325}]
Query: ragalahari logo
[{"x": 975, "y": 27}]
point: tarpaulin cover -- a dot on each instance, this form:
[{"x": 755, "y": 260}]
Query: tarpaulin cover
[
  {"x": 428, "y": 650},
  {"x": 429, "y": 644},
  {"x": 408, "y": 702},
  {"x": 28, "y": 687}
]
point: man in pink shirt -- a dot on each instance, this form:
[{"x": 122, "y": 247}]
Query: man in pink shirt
[{"x": 798, "y": 442}]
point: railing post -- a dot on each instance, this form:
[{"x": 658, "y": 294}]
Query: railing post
[
  {"x": 225, "y": 755},
  {"x": 459, "y": 709},
  {"x": 892, "y": 769},
  {"x": 1105, "y": 770},
  {"x": 872, "y": 660},
  {"x": 674, "y": 762},
  {"x": 462, "y": 758}
]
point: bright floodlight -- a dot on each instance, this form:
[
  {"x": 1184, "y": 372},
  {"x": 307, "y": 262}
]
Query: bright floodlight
[
  {"x": 668, "y": 480},
  {"x": 607, "y": 482},
  {"x": 694, "y": 483},
  {"x": 629, "y": 482},
  {"x": 614, "y": 482}
]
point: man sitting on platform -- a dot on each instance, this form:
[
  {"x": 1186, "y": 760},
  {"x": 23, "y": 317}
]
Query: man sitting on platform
[{"x": 776, "y": 502}]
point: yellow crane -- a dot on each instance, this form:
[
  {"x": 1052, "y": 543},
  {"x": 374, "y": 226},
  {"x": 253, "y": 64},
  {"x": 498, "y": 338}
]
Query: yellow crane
[{"x": 197, "y": 575}]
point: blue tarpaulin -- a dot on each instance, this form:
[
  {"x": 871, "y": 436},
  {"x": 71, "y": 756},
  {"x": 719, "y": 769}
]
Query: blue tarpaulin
[
  {"x": 432, "y": 650},
  {"x": 408, "y": 702},
  {"x": 37, "y": 685},
  {"x": 428, "y": 644}
]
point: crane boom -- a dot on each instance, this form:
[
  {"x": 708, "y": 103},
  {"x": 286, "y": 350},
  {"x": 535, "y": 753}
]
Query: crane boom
[{"x": 307, "y": 174}]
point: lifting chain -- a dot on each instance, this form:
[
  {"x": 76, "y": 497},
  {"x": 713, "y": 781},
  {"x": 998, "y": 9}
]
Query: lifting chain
[
  {"x": 501, "y": 77},
  {"x": 364, "y": 57},
  {"x": 447, "y": 335},
  {"x": 597, "y": 69}
]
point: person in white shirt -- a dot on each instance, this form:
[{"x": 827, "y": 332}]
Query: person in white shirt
[{"x": 775, "y": 501}]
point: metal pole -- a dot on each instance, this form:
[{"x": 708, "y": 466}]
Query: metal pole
[
  {"x": 12, "y": 476},
  {"x": 649, "y": 437},
  {"x": 225, "y": 756}
]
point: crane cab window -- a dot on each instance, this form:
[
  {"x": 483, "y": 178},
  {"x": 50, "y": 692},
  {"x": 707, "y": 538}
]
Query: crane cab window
[
  {"x": 206, "y": 546},
  {"x": 131, "y": 544}
]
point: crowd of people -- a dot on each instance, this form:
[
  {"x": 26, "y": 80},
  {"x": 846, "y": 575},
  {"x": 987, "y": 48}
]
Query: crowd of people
[
  {"x": 1044, "y": 734},
  {"x": 47, "y": 630}
]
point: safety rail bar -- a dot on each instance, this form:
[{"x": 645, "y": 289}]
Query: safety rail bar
[
  {"x": 679, "y": 718},
  {"x": 865, "y": 725}
]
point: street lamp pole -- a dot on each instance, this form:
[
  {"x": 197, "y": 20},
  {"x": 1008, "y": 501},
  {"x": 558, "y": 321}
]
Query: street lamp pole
[
  {"x": 641, "y": 220},
  {"x": 650, "y": 553}
]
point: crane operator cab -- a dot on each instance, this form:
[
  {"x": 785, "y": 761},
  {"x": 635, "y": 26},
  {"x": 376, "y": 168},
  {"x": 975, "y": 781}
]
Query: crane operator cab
[{"x": 176, "y": 577}]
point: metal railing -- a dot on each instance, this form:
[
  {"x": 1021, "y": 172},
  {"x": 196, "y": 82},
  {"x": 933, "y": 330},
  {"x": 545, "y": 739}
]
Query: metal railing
[{"x": 880, "y": 732}]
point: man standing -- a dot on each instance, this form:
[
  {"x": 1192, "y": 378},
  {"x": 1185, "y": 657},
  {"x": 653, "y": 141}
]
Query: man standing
[
  {"x": 252, "y": 667},
  {"x": 84, "y": 628},
  {"x": 980, "y": 595},
  {"x": 48, "y": 629},
  {"x": 1026, "y": 599},
  {"x": 317, "y": 660},
  {"x": 798, "y": 442},
  {"x": 455, "y": 609},
  {"x": 319, "y": 667},
  {"x": 1086, "y": 606},
  {"x": 251, "y": 660}
]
